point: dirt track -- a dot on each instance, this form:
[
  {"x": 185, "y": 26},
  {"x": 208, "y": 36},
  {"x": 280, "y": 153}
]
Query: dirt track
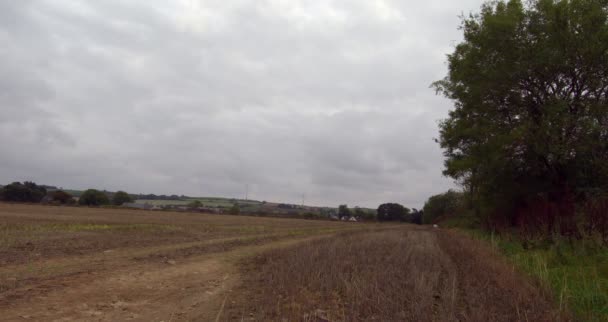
[
  {"x": 187, "y": 289},
  {"x": 450, "y": 278}
]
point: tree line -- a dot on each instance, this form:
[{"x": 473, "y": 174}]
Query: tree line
[
  {"x": 385, "y": 212},
  {"x": 31, "y": 192},
  {"x": 528, "y": 136}
]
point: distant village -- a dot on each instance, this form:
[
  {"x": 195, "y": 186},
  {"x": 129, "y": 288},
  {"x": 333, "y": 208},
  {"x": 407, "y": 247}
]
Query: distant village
[{"x": 30, "y": 192}]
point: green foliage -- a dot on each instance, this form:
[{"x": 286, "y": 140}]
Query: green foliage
[
  {"x": 577, "y": 272},
  {"x": 121, "y": 197},
  {"x": 343, "y": 211},
  {"x": 26, "y": 192},
  {"x": 392, "y": 212},
  {"x": 364, "y": 214},
  {"x": 62, "y": 197},
  {"x": 93, "y": 197},
  {"x": 195, "y": 204},
  {"x": 442, "y": 205},
  {"x": 530, "y": 87}
]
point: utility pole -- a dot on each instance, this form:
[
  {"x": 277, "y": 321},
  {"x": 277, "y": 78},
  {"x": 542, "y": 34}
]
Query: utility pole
[{"x": 246, "y": 191}]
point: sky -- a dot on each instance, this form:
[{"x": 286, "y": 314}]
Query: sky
[{"x": 326, "y": 101}]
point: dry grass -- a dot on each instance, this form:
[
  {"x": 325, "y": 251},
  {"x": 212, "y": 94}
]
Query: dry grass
[{"x": 399, "y": 275}]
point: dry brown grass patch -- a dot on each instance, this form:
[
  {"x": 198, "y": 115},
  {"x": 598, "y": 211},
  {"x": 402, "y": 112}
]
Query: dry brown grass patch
[{"x": 409, "y": 274}]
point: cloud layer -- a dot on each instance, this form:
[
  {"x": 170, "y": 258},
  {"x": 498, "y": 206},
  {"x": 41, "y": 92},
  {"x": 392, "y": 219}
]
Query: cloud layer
[{"x": 327, "y": 99}]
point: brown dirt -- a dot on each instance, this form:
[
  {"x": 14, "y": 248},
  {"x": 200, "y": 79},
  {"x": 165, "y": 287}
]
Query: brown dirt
[
  {"x": 58, "y": 264},
  {"x": 81, "y": 264}
]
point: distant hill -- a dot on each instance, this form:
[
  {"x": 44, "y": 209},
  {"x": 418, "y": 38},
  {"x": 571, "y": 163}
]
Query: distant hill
[{"x": 225, "y": 205}]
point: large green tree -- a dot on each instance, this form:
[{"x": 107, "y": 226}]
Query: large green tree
[{"x": 530, "y": 87}]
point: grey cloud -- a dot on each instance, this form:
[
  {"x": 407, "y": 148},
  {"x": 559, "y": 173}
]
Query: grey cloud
[{"x": 324, "y": 98}]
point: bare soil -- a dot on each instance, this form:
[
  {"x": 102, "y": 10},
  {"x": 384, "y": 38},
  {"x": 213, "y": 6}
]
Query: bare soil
[{"x": 81, "y": 264}]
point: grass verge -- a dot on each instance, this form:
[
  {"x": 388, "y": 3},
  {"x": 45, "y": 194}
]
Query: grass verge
[{"x": 575, "y": 272}]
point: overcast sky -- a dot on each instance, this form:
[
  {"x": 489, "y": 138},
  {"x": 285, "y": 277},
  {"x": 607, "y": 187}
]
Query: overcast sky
[{"x": 327, "y": 99}]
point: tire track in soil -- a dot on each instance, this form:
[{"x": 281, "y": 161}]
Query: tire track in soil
[{"x": 189, "y": 290}]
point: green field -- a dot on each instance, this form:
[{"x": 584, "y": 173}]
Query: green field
[
  {"x": 207, "y": 202},
  {"x": 163, "y": 202}
]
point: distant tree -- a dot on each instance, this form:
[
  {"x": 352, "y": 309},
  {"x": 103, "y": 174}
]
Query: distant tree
[
  {"x": 415, "y": 217},
  {"x": 93, "y": 197},
  {"x": 392, "y": 212},
  {"x": 343, "y": 211},
  {"x": 62, "y": 197},
  {"x": 444, "y": 204},
  {"x": 26, "y": 192},
  {"x": 359, "y": 212},
  {"x": 365, "y": 214},
  {"x": 121, "y": 197}
]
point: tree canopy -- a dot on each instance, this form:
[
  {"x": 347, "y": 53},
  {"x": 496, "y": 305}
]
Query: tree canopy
[
  {"x": 121, "y": 197},
  {"x": 343, "y": 211},
  {"x": 530, "y": 88},
  {"x": 444, "y": 204},
  {"x": 23, "y": 192},
  {"x": 93, "y": 197},
  {"x": 392, "y": 212}
]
